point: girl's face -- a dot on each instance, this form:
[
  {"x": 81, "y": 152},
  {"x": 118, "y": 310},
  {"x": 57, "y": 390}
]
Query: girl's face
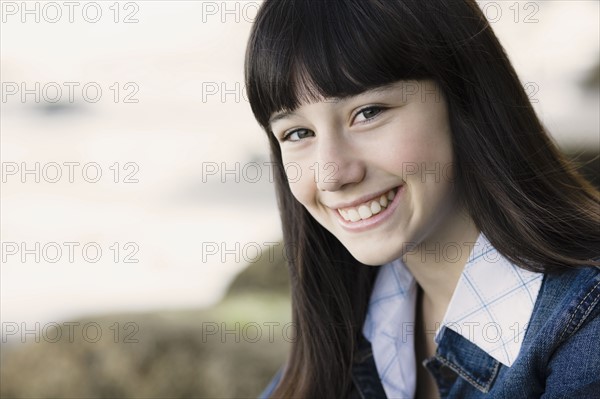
[{"x": 374, "y": 169}]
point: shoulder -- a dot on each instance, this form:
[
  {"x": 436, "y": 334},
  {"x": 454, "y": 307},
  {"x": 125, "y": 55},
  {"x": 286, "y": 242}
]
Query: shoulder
[
  {"x": 565, "y": 331},
  {"x": 566, "y": 301},
  {"x": 570, "y": 299},
  {"x": 574, "y": 366}
]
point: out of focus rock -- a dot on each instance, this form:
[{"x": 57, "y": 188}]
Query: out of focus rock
[{"x": 229, "y": 350}]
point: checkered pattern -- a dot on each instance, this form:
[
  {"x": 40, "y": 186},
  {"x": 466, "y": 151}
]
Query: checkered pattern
[{"x": 491, "y": 306}]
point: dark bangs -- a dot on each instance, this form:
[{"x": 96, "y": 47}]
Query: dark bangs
[{"x": 304, "y": 51}]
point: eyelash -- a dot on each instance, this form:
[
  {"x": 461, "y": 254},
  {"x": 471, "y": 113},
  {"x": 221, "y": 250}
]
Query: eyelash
[{"x": 370, "y": 107}]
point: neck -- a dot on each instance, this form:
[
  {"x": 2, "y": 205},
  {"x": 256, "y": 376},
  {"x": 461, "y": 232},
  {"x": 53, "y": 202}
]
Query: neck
[{"x": 437, "y": 262}]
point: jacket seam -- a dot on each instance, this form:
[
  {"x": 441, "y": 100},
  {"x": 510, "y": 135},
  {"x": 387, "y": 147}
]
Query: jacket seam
[
  {"x": 459, "y": 371},
  {"x": 590, "y": 308},
  {"x": 586, "y": 313}
]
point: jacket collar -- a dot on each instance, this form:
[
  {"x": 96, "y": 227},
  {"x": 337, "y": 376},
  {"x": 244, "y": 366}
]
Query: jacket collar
[
  {"x": 484, "y": 324},
  {"x": 492, "y": 303}
]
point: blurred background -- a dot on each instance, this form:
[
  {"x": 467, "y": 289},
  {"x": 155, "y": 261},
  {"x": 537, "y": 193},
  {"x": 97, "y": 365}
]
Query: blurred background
[{"x": 141, "y": 252}]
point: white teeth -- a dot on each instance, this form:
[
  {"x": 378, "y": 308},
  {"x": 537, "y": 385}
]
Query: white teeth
[
  {"x": 383, "y": 200},
  {"x": 364, "y": 212},
  {"x": 375, "y": 207},
  {"x": 353, "y": 215},
  {"x": 368, "y": 209},
  {"x": 344, "y": 214}
]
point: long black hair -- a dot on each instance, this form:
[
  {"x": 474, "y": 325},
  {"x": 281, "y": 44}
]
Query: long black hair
[{"x": 519, "y": 189}]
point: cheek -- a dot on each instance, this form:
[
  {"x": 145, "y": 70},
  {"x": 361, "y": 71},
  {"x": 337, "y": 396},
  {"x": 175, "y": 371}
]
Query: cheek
[
  {"x": 420, "y": 159},
  {"x": 431, "y": 147},
  {"x": 420, "y": 144},
  {"x": 421, "y": 154},
  {"x": 301, "y": 182}
]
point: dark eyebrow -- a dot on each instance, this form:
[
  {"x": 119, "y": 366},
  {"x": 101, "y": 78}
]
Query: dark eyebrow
[{"x": 378, "y": 89}]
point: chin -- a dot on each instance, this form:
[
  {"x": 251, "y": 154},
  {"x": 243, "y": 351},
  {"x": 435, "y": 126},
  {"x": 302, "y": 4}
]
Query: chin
[{"x": 372, "y": 257}]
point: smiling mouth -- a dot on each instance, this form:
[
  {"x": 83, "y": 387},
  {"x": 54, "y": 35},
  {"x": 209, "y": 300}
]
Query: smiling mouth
[{"x": 368, "y": 209}]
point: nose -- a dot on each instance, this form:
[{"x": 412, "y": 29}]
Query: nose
[{"x": 338, "y": 163}]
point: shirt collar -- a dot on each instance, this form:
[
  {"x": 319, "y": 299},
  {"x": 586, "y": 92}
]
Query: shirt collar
[{"x": 491, "y": 306}]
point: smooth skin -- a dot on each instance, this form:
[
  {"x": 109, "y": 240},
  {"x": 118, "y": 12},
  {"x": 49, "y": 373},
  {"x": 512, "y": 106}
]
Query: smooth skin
[{"x": 353, "y": 148}]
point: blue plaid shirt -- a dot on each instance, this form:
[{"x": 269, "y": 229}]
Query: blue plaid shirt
[{"x": 491, "y": 307}]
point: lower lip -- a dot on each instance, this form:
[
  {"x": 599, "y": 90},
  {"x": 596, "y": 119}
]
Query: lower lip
[{"x": 373, "y": 221}]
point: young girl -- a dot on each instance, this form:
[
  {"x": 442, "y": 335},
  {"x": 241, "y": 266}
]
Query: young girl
[{"x": 403, "y": 139}]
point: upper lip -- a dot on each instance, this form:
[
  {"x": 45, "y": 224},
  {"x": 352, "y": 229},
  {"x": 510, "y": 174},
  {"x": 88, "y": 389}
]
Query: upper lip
[{"x": 362, "y": 199}]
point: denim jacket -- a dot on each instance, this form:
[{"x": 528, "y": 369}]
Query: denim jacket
[{"x": 559, "y": 357}]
